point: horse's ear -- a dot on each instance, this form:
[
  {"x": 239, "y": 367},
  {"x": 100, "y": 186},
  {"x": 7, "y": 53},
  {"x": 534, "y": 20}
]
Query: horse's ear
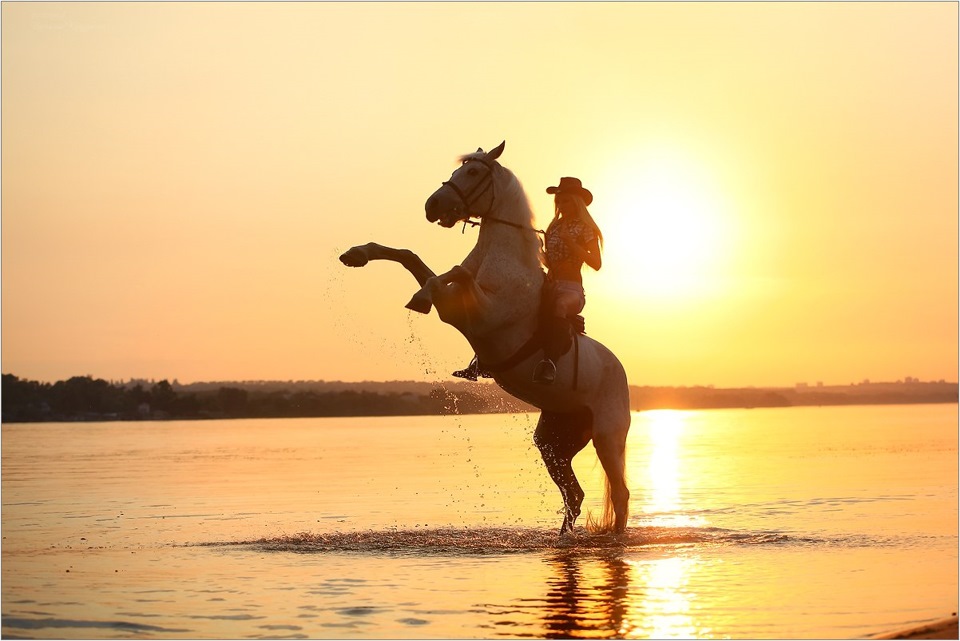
[
  {"x": 479, "y": 150},
  {"x": 493, "y": 154}
]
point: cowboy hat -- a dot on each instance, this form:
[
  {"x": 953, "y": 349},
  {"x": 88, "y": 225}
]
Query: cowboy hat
[{"x": 572, "y": 186}]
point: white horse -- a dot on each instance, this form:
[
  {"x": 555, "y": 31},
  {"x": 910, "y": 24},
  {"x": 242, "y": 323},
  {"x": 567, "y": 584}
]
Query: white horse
[{"x": 494, "y": 297}]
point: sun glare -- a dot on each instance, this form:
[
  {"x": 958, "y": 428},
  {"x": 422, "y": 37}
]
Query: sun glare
[
  {"x": 663, "y": 476},
  {"x": 666, "y": 228},
  {"x": 665, "y": 611}
]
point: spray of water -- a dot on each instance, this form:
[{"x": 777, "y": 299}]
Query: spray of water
[{"x": 469, "y": 541}]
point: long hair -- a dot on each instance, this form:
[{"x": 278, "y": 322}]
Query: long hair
[{"x": 583, "y": 214}]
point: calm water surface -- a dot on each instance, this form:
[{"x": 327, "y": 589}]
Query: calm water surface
[{"x": 782, "y": 523}]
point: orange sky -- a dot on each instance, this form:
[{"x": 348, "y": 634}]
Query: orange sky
[{"x": 777, "y": 183}]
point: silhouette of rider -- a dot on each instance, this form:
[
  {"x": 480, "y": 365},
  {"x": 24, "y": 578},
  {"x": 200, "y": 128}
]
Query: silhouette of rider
[{"x": 571, "y": 239}]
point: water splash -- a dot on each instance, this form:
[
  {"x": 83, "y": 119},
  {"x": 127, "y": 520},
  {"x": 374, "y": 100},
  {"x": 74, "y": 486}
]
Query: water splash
[{"x": 504, "y": 540}]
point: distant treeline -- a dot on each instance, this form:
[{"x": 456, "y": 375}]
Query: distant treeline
[
  {"x": 750, "y": 397},
  {"x": 83, "y": 398}
]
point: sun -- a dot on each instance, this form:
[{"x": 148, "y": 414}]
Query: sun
[{"x": 666, "y": 228}]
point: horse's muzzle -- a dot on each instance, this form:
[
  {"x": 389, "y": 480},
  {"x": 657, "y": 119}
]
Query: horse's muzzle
[
  {"x": 440, "y": 210},
  {"x": 432, "y": 214}
]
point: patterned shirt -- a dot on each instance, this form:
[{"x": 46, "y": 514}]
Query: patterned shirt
[{"x": 557, "y": 250}]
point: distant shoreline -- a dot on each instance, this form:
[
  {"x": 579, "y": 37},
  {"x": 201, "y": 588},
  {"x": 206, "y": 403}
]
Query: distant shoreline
[
  {"x": 945, "y": 628},
  {"x": 83, "y": 398}
]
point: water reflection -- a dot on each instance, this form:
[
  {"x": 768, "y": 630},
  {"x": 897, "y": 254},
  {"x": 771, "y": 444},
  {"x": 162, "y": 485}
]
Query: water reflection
[
  {"x": 614, "y": 597},
  {"x": 617, "y": 596},
  {"x": 665, "y": 611},
  {"x": 663, "y": 477},
  {"x": 586, "y": 598}
]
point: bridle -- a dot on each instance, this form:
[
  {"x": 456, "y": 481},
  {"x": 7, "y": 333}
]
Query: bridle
[{"x": 473, "y": 195}]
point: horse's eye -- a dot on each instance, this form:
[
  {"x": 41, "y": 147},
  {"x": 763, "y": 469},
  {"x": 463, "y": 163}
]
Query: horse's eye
[{"x": 472, "y": 171}]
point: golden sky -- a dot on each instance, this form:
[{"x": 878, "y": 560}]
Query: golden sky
[{"x": 777, "y": 183}]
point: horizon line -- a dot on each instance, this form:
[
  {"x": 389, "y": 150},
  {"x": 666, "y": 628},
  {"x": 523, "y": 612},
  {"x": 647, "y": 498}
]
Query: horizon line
[{"x": 907, "y": 380}]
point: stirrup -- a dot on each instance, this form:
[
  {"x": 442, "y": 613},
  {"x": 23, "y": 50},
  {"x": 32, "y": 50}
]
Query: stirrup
[
  {"x": 471, "y": 372},
  {"x": 545, "y": 373}
]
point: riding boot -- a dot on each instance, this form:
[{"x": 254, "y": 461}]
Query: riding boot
[
  {"x": 557, "y": 334},
  {"x": 471, "y": 372}
]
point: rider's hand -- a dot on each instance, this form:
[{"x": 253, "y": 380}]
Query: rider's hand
[{"x": 570, "y": 240}]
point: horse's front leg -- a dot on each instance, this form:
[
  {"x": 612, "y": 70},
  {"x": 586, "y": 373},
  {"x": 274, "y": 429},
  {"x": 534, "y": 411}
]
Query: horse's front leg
[
  {"x": 453, "y": 293},
  {"x": 362, "y": 254}
]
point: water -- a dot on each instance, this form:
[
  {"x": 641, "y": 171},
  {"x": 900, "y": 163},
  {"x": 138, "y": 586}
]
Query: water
[{"x": 781, "y": 523}]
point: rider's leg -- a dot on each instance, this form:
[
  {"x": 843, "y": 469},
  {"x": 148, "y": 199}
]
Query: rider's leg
[
  {"x": 557, "y": 334},
  {"x": 568, "y": 301}
]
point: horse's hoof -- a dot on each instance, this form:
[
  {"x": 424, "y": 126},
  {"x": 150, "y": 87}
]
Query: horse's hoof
[
  {"x": 568, "y": 538},
  {"x": 419, "y": 304},
  {"x": 354, "y": 257}
]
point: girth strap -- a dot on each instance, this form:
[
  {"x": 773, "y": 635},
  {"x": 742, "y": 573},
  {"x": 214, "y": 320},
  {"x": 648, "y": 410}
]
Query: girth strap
[
  {"x": 528, "y": 349},
  {"x": 576, "y": 358}
]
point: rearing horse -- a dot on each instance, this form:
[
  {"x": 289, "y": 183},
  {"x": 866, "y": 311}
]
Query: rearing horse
[{"x": 493, "y": 297}]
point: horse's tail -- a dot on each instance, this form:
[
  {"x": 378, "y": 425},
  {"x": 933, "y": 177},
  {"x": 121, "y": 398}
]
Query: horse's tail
[{"x": 608, "y": 518}]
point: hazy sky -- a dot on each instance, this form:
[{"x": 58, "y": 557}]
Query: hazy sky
[{"x": 777, "y": 183}]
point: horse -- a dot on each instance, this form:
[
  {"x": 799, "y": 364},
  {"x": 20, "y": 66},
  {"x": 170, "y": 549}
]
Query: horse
[{"x": 493, "y": 297}]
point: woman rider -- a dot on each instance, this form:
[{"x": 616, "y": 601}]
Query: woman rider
[{"x": 571, "y": 239}]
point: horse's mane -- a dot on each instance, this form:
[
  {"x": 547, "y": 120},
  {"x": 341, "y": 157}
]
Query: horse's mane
[
  {"x": 512, "y": 196},
  {"x": 515, "y": 192},
  {"x": 477, "y": 155}
]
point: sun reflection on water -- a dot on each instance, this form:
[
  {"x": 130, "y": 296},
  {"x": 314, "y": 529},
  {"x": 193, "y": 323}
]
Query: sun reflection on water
[
  {"x": 665, "y": 611},
  {"x": 663, "y": 506},
  {"x": 661, "y": 605}
]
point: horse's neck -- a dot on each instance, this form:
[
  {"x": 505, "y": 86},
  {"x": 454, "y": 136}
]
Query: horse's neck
[
  {"x": 506, "y": 265},
  {"x": 508, "y": 237}
]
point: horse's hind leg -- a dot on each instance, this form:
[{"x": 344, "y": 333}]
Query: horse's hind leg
[
  {"x": 559, "y": 438},
  {"x": 611, "y": 450}
]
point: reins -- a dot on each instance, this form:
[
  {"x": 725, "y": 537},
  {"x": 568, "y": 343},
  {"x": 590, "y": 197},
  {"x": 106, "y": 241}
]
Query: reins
[{"x": 499, "y": 220}]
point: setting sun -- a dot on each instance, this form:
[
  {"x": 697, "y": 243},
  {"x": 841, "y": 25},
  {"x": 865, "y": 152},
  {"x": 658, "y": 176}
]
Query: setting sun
[{"x": 668, "y": 230}]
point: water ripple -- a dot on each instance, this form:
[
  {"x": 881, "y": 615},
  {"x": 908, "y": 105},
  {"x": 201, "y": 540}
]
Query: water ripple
[{"x": 39, "y": 624}]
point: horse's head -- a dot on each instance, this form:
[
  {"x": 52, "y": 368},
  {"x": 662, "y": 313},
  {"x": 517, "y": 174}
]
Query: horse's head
[{"x": 469, "y": 193}]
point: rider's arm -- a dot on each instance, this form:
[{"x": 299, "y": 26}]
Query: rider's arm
[{"x": 589, "y": 253}]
